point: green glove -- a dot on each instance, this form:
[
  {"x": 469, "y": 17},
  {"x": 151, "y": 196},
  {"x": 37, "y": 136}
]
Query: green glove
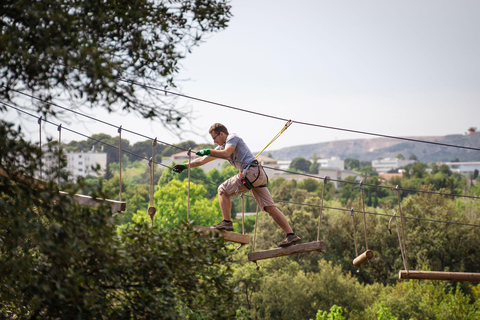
[{"x": 203, "y": 152}]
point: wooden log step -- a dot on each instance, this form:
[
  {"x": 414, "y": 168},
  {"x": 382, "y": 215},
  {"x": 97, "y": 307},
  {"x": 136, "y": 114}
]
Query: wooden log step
[
  {"x": 228, "y": 236},
  {"x": 83, "y": 200},
  {"x": 295, "y": 249},
  {"x": 439, "y": 275},
  {"x": 361, "y": 259}
]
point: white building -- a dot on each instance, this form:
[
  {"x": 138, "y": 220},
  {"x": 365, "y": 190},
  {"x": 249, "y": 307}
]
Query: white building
[
  {"x": 82, "y": 164},
  {"x": 463, "y": 167},
  {"x": 79, "y": 164},
  {"x": 387, "y": 164},
  {"x": 333, "y": 162}
]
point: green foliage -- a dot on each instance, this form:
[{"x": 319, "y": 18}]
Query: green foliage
[
  {"x": 315, "y": 165},
  {"x": 65, "y": 261},
  {"x": 335, "y": 314},
  {"x": 85, "y": 49},
  {"x": 300, "y": 164},
  {"x": 282, "y": 290},
  {"x": 423, "y": 300},
  {"x": 171, "y": 202}
]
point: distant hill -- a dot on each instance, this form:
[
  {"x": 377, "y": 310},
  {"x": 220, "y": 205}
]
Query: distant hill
[{"x": 371, "y": 149}]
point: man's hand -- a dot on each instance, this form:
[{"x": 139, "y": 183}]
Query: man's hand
[
  {"x": 179, "y": 168},
  {"x": 203, "y": 152}
]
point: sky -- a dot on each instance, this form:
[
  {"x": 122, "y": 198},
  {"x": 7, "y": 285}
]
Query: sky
[{"x": 397, "y": 68}]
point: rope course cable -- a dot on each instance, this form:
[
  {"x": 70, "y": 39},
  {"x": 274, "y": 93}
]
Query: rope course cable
[
  {"x": 278, "y": 200},
  {"x": 272, "y": 117},
  {"x": 358, "y": 260},
  {"x": 289, "y": 122},
  {"x": 296, "y": 121}
]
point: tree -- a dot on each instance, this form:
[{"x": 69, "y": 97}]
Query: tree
[
  {"x": 171, "y": 202},
  {"x": 351, "y": 164},
  {"x": 335, "y": 314},
  {"x": 300, "y": 164},
  {"x": 65, "y": 261},
  {"x": 315, "y": 165},
  {"x": 95, "y": 52},
  {"x": 400, "y": 156}
]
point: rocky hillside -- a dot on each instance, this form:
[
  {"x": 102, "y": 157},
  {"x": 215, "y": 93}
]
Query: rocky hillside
[{"x": 371, "y": 149}]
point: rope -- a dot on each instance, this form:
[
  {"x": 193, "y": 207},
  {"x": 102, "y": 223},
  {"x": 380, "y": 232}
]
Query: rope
[
  {"x": 120, "y": 158},
  {"x": 285, "y": 127},
  {"x": 59, "y": 129},
  {"x": 354, "y": 232},
  {"x": 40, "y": 140},
  {"x": 277, "y": 200},
  {"x": 243, "y": 214},
  {"x": 255, "y": 235},
  {"x": 152, "y": 210},
  {"x": 364, "y": 216},
  {"x": 255, "y": 232},
  {"x": 321, "y": 208},
  {"x": 188, "y": 192},
  {"x": 399, "y": 240},
  {"x": 403, "y": 231},
  {"x": 275, "y": 169}
]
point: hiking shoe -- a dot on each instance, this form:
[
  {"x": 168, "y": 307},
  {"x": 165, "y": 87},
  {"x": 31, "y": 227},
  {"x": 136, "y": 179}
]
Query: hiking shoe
[
  {"x": 223, "y": 225},
  {"x": 290, "y": 240}
]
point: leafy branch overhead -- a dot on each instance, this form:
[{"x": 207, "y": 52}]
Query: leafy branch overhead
[{"x": 85, "y": 50}]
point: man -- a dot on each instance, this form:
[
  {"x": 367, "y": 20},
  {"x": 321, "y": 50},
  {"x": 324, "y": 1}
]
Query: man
[{"x": 252, "y": 177}]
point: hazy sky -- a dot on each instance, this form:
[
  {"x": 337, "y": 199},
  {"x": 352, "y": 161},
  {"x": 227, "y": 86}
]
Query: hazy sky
[{"x": 401, "y": 68}]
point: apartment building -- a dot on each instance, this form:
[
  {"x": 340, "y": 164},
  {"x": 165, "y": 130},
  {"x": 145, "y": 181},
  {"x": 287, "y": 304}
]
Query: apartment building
[
  {"x": 79, "y": 164},
  {"x": 387, "y": 164}
]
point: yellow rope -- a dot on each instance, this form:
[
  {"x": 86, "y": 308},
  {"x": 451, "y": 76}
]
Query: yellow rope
[{"x": 289, "y": 122}]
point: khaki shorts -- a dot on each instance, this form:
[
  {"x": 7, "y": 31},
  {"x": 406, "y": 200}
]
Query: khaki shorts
[{"x": 234, "y": 186}]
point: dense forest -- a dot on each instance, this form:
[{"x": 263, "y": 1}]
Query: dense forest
[{"x": 311, "y": 284}]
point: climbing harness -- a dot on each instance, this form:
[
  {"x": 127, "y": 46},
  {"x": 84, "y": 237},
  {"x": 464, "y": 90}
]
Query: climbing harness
[{"x": 243, "y": 176}]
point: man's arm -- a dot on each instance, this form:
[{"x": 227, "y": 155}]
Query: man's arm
[
  {"x": 212, "y": 154},
  {"x": 199, "y": 161},
  {"x": 225, "y": 153}
]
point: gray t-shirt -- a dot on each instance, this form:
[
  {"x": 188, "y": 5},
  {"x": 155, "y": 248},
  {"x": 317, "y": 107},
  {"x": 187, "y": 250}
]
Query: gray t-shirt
[{"x": 242, "y": 155}]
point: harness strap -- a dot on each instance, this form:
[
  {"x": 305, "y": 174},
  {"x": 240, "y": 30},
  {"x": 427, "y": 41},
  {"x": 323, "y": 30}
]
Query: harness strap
[{"x": 247, "y": 183}]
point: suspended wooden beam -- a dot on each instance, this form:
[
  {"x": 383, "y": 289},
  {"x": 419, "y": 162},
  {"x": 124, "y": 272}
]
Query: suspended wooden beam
[
  {"x": 229, "y": 236},
  {"x": 439, "y": 275},
  {"x": 83, "y": 200},
  {"x": 361, "y": 259},
  {"x": 295, "y": 249},
  {"x": 88, "y": 201}
]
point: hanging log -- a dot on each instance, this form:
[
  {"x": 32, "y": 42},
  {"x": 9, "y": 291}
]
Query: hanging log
[
  {"x": 83, "y": 200},
  {"x": 361, "y": 259},
  {"x": 228, "y": 236},
  {"x": 295, "y": 249},
  {"x": 439, "y": 275}
]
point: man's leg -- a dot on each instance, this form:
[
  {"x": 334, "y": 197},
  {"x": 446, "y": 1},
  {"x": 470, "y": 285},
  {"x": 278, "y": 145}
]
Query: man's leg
[
  {"x": 225, "y": 205},
  {"x": 232, "y": 186},
  {"x": 279, "y": 218}
]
